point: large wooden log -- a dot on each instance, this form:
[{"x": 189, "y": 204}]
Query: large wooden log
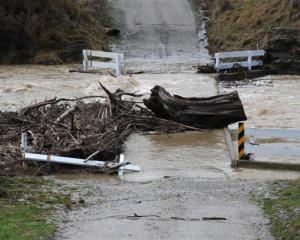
[{"x": 212, "y": 112}]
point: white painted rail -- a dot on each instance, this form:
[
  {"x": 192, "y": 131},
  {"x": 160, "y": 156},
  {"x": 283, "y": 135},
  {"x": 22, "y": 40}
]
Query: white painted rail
[
  {"x": 116, "y": 63},
  {"x": 219, "y": 65},
  {"x": 121, "y": 166}
]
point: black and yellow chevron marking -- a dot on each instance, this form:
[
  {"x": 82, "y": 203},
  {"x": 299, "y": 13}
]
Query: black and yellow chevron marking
[{"x": 241, "y": 140}]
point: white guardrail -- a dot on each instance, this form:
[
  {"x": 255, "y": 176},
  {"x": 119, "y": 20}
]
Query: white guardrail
[
  {"x": 116, "y": 63},
  {"x": 219, "y": 65}
]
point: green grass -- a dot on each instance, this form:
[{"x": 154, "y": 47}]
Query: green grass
[
  {"x": 23, "y": 222},
  {"x": 283, "y": 210},
  {"x": 26, "y": 211}
]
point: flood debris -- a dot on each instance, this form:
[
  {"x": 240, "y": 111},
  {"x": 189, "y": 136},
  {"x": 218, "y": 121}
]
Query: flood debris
[
  {"x": 212, "y": 112},
  {"x": 109, "y": 167},
  {"x": 89, "y": 132},
  {"x": 87, "y": 128},
  {"x": 259, "y": 82},
  {"x": 239, "y": 74},
  {"x": 207, "y": 68}
]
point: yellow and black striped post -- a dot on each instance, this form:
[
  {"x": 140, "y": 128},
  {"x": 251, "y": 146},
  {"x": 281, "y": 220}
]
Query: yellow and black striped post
[{"x": 241, "y": 140}]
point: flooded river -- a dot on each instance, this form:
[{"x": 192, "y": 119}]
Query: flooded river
[
  {"x": 202, "y": 154},
  {"x": 190, "y": 154},
  {"x": 185, "y": 176},
  {"x": 272, "y": 106}
]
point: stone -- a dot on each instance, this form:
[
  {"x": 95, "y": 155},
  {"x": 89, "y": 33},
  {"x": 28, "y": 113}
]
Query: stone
[{"x": 282, "y": 51}]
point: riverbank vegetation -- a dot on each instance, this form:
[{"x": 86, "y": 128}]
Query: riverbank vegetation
[
  {"x": 283, "y": 210},
  {"x": 27, "y": 206},
  {"x": 51, "y": 31},
  {"x": 238, "y": 25}
]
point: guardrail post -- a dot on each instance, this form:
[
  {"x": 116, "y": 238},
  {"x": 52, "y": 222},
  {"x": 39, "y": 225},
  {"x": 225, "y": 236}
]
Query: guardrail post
[
  {"x": 24, "y": 145},
  {"x": 118, "y": 67},
  {"x": 241, "y": 140},
  {"x": 122, "y": 64},
  {"x": 85, "y": 59},
  {"x": 217, "y": 57},
  {"x": 249, "y": 60}
]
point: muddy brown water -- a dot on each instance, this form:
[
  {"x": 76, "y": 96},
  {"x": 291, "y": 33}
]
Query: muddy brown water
[
  {"x": 272, "y": 105},
  {"x": 193, "y": 154},
  {"x": 202, "y": 154},
  {"x": 184, "y": 176}
]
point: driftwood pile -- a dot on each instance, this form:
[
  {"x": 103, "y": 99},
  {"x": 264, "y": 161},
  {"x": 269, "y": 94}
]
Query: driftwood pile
[
  {"x": 95, "y": 127},
  {"x": 78, "y": 128}
]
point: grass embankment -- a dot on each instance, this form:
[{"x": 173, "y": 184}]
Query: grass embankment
[
  {"x": 26, "y": 207},
  {"x": 51, "y": 31},
  {"x": 243, "y": 24},
  {"x": 283, "y": 209}
]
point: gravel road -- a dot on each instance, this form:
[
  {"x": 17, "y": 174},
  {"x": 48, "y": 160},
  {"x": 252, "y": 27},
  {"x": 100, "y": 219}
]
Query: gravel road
[
  {"x": 168, "y": 205},
  {"x": 168, "y": 209},
  {"x": 159, "y": 32}
]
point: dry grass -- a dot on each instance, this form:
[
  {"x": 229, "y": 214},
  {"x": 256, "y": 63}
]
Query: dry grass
[{"x": 243, "y": 24}]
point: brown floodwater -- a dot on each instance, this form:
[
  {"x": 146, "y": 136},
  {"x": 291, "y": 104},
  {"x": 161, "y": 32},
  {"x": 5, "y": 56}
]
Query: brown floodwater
[
  {"x": 199, "y": 155},
  {"x": 272, "y": 105}
]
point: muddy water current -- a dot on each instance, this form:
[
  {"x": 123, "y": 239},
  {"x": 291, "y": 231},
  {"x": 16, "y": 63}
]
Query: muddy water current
[
  {"x": 202, "y": 155},
  {"x": 195, "y": 154},
  {"x": 272, "y": 105}
]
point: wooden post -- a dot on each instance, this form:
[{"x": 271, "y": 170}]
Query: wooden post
[{"x": 249, "y": 60}]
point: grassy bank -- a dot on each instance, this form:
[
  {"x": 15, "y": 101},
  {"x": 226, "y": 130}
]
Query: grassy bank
[
  {"x": 27, "y": 206},
  {"x": 283, "y": 210},
  {"x": 51, "y": 31},
  {"x": 243, "y": 24}
]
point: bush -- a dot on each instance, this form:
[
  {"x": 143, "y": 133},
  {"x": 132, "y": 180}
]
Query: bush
[{"x": 28, "y": 27}]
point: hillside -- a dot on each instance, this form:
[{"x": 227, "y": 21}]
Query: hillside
[
  {"x": 243, "y": 24},
  {"x": 50, "y": 31}
]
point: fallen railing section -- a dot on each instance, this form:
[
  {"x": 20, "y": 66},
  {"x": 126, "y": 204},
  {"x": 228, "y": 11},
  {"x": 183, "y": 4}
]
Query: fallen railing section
[{"x": 119, "y": 167}]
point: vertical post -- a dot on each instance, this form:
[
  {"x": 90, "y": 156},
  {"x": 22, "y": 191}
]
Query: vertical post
[
  {"x": 249, "y": 60},
  {"x": 217, "y": 57},
  {"x": 85, "y": 60},
  {"x": 118, "y": 65},
  {"x": 122, "y": 64},
  {"x": 24, "y": 145},
  {"x": 121, "y": 169},
  {"x": 241, "y": 140}
]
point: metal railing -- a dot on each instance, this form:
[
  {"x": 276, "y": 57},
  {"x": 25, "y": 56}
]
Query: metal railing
[
  {"x": 116, "y": 63},
  {"x": 219, "y": 65}
]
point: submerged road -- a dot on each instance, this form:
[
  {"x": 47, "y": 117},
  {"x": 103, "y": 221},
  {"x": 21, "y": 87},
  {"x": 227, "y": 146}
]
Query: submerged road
[
  {"x": 186, "y": 177},
  {"x": 161, "y": 34}
]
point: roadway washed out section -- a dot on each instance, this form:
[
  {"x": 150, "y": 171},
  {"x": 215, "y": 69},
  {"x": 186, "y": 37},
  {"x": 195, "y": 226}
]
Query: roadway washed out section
[
  {"x": 36, "y": 82},
  {"x": 88, "y": 132}
]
